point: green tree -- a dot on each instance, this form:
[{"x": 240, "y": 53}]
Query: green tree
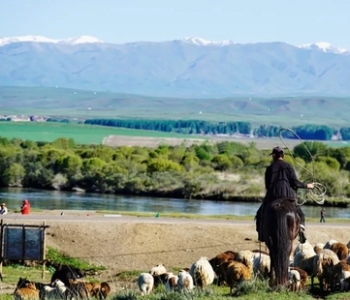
[{"x": 14, "y": 175}]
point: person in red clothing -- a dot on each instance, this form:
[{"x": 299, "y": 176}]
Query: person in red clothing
[{"x": 25, "y": 207}]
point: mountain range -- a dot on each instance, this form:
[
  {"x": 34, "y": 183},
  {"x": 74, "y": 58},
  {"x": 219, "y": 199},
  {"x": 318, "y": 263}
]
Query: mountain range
[{"x": 191, "y": 67}]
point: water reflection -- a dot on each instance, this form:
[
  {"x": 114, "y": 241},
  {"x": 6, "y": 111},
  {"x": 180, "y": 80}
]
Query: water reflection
[{"x": 80, "y": 201}]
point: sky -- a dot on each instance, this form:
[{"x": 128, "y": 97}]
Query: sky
[{"x": 295, "y": 22}]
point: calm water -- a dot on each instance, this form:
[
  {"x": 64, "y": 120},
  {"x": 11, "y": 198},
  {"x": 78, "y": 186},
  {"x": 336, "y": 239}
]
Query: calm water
[{"x": 81, "y": 201}]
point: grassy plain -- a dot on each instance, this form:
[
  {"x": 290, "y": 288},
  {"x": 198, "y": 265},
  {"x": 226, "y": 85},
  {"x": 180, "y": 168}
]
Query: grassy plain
[
  {"x": 284, "y": 111},
  {"x": 82, "y": 134}
]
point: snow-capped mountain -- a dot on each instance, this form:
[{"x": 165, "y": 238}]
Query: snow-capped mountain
[
  {"x": 191, "y": 67},
  {"x": 203, "y": 42},
  {"x": 85, "y": 39},
  {"x": 325, "y": 47}
]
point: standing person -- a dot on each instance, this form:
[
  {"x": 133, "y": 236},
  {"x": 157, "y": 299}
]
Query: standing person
[
  {"x": 281, "y": 182},
  {"x": 25, "y": 207},
  {"x": 3, "y": 209},
  {"x": 323, "y": 213}
]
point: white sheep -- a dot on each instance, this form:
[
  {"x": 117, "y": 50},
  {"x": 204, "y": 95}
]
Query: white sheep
[
  {"x": 145, "y": 283},
  {"x": 304, "y": 257},
  {"x": 294, "y": 280},
  {"x": 158, "y": 270},
  {"x": 262, "y": 264},
  {"x": 202, "y": 272},
  {"x": 185, "y": 281},
  {"x": 56, "y": 290}
]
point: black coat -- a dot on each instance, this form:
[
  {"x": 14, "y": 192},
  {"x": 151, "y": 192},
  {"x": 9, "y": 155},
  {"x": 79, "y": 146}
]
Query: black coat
[{"x": 281, "y": 181}]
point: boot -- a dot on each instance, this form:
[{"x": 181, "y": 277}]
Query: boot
[{"x": 302, "y": 235}]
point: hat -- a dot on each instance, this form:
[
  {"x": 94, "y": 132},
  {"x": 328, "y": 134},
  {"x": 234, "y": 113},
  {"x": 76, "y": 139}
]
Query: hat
[
  {"x": 277, "y": 150},
  {"x": 3, "y": 204}
]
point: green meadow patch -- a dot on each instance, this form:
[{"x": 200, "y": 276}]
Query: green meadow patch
[{"x": 80, "y": 133}]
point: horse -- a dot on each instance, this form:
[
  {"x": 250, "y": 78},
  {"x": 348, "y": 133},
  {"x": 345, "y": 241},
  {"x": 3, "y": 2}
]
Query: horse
[{"x": 280, "y": 226}]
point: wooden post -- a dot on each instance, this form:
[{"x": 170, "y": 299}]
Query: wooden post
[{"x": 43, "y": 248}]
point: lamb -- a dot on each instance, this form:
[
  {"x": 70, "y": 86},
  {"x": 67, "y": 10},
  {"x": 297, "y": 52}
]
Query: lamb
[
  {"x": 294, "y": 280},
  {"x": 185, "y": 281},
  {"x": 297, "y": 279},
  {"x": 145, "y": 283},
  {"x": 236, "y": 273},
  {"x": 340, "y": 249},
  {"x": 202, "y": 273},
  {"x": 28, "y": 292}
]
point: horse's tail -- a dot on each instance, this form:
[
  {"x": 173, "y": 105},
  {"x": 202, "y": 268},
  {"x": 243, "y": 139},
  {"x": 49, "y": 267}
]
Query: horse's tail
[{"x": 285, "y": 221}]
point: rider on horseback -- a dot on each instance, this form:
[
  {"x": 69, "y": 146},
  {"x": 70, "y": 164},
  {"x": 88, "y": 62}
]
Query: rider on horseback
[{"x": 281, "y": 182}]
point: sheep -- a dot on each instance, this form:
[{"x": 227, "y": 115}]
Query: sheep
[
  {"x": 158, "y": 270},
  {"x": 105, "y": 289},
  {"x": 185, "y": 281},
  {"x": 171, "y": 283},
  {"x": 304, "y": 257},
  {"x": 340, "y": 249},
  {"x": 145, "y": 283},
  {"x": 306, "y": 247},
  {"x": 324, "y": 259},
  {"x": 28, "y": 292},
  {"x": 294, "y": 280},
  {"x": 318, "y": 247},
  {"x": 236, "y": 273},
  {"x": 341, "y": 271},
  {"x": 222, "y": 257},
  {"x": 56, "y": 290},
  {"x": 329, "y": 244},
  {"x": 262, "y": 264},
  {"x": 246, "y": 257},
  {"x": 202, "y": 272},
  {"x": 301, "y": 276},
  {"x": 79, "y": 289}
]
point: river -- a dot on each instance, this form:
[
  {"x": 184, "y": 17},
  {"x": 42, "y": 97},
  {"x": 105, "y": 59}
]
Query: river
[{"x": 80, "y": 201}]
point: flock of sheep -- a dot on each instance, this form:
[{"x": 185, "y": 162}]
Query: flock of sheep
[{"x": 329, "y": 262}]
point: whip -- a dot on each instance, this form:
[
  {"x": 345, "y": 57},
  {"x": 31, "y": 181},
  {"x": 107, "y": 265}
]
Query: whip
[{"x": 319, "y": 191}]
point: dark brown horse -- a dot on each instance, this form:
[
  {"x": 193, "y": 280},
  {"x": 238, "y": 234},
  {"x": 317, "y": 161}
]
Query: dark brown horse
[{"x": 280, "y": 226}]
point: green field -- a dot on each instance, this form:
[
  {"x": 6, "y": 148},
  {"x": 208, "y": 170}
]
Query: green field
[{"x": 82, "y": 134}]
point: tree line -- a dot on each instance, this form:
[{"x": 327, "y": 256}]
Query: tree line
[
  {"x": 223, "y": 171},
  {"x": 306, "y": 132}
]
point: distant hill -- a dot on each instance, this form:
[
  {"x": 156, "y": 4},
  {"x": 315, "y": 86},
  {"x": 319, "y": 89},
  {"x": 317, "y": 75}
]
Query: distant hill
[
  {"x": 85, "y": 104},
  {"x": 181, "y": 68}
]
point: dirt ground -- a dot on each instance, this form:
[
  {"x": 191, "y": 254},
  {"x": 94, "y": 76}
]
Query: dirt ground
[{"x": 123, "y": 243}]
